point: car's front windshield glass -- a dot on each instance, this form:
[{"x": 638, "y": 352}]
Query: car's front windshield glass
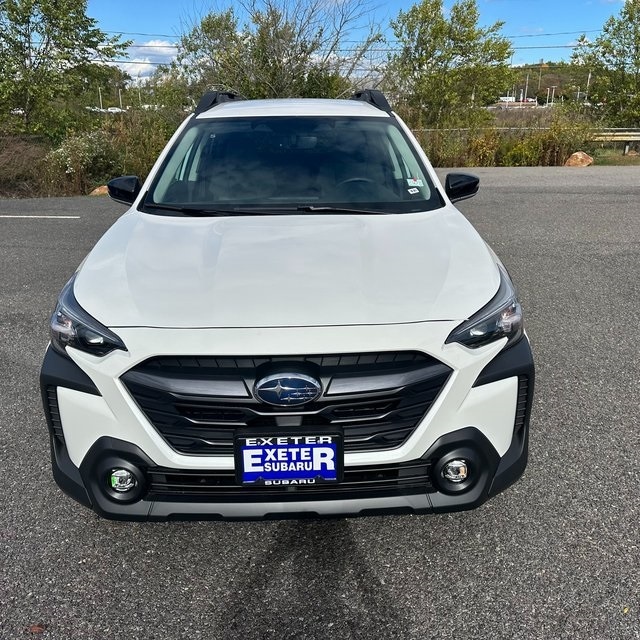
[{"x": 284, "y": 164}]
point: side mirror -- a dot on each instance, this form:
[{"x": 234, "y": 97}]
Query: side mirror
[
  {"x": 460, "y": 186},
  {"x": 124, "y": 189}
]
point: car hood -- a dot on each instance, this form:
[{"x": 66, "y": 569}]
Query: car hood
[{"x": 286, "y": 271}]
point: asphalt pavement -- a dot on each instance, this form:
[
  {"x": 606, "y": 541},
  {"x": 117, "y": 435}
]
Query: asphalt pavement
[{"x": 555, "y": 556}]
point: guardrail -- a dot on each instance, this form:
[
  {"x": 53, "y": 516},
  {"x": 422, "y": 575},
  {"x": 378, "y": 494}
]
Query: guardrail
[{"x": 626, "y": 136}]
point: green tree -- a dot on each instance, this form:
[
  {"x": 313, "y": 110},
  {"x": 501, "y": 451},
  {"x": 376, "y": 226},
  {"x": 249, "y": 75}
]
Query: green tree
[
  {"x": 279, "y": 48},
  {"x": 46, "y": 47},
  {"x": 444, "y": 66},
  {"x": 613, "y": 60}
]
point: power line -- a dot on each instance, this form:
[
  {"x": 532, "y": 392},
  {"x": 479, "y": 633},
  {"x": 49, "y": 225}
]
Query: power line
[
  {"x": 153, "y": 46},
  {"x": 510, "y": 37},
  {"x": 523, "y": 67},
  {"x": 547, "y": 46},
  {"x": 557, "y": 33},
  {"x": 373, "y": 50},
  {"x": 380, "y": 50},
  {"x": 137, "y": 33}
]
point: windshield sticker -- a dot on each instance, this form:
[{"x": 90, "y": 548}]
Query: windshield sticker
[
  {"x": 413, "y": 191},
  {"x": 415, "y": 182}
]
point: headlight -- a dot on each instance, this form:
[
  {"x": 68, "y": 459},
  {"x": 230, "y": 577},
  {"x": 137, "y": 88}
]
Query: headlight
[
  {"x": 501, "y": 318},
  {"x": 72, "y": 326}
]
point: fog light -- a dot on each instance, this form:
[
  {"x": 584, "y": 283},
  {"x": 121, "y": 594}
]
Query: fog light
[
  {"x": 121, "y": 480},
  {"x": 455, "y": 471}
]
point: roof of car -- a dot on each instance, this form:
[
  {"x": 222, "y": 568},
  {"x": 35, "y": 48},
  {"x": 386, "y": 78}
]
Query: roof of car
[{"x": 292, "y": 107}]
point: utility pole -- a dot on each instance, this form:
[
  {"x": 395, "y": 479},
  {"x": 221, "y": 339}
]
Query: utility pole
[
  {"x": 100, "y": 97},
  {"x": 548, "y": 92},
  {"x": 553, "y": 95},
  {"x": 120, "y": 97},
  {"x": 526, "y": 88},
  {"x": 586, "y": 93},
  {"x": 540, "y": 77}
]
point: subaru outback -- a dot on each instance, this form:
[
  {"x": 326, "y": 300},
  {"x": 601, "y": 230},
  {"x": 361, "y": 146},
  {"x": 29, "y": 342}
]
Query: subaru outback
[{"x": 290, "y": 319}]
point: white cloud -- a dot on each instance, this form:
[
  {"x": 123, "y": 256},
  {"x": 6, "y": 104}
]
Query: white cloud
[{"x": 144, "y": 57}]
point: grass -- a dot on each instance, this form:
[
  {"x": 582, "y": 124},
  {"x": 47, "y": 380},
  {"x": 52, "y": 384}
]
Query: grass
[{"x": 614, "y": 158}]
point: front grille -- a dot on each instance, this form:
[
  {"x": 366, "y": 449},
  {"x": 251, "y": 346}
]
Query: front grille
[
  {"x": 52, "y": 412},
  {"x": 359, "y": 482},
  {"x": 375, "y": 399}
]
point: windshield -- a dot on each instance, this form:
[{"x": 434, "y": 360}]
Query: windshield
[{"x": 283, "y": 164}]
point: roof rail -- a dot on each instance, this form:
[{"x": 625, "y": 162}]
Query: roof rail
[
  {"x": 374, "y": 97},
  {"x": 214, "y": 98}
]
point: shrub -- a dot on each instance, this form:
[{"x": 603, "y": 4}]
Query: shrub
[
  {"x": 82, "y": 162},
  {"x": 139, "y": 136},
  {"x": 126, "y": 144},
  {"x": 549, "y": 147},
  {"x": 129, "y": 143},
  {"x": 547, "y": 141},
  {"x": 21, "y": 166}
]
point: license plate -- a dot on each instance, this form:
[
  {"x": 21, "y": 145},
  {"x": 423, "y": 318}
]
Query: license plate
[{"x": 284, "y": 460}]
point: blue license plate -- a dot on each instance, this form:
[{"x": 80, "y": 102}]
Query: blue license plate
[{"x": 289, "y": 459}]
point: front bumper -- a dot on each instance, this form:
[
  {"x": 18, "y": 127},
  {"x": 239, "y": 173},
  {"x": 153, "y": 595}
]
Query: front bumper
[{"x": 86, "y": 438}]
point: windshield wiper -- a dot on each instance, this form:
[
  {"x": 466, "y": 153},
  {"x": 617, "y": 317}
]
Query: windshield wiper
[
  {"x": 199, "y": 211},
  {"x": 324, "y": 209},
  {"x": 251, "y": 211}
]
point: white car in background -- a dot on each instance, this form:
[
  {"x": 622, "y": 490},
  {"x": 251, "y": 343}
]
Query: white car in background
[{"x": 291, "y": 319}]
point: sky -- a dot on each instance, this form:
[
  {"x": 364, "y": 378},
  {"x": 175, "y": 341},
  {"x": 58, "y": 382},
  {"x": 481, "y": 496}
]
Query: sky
[{"x": 538, "y": 29}]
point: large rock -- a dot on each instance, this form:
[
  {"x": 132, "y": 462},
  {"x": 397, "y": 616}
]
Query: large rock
[
  {"x": 579, "y": 159},
  {"x": 99, "y": 191}
]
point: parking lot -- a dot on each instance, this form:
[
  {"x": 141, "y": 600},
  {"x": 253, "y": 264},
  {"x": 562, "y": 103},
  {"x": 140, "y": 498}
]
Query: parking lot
[{"x": 556, "y": 556}]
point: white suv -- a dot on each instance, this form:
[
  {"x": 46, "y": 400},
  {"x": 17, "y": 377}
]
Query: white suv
[{"x": 291, "y": 319}]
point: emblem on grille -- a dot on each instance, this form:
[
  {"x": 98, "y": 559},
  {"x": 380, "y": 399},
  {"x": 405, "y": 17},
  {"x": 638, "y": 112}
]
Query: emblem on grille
[{"x": 287, "y": 389}]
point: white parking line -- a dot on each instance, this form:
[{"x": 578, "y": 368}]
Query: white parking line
[{"x": 45, "y": 217}]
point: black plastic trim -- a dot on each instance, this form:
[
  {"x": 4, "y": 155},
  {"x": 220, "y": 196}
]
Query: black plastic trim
[
  {"x": 124, "y": 189},
  {"x": 105, "y": 454},
  {"x": 514, "y": 461},
  {"x": 461, "y": 186},
  {"x": 66, "y": 474},
  {"x": 214, "y": 98},
  {"x": 517, "y": 360},
  {"x": 472, "y": 444},
  {"x": 162, "y": 513},
  {"x": 492, "y": 475},
  {"x": 373, "y": 97},
  {"x": 59, "y": 371},
  {"x": 52, "y": 412}
]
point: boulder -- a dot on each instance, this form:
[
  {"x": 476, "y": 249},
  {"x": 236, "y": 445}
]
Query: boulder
[
  {"x": 99, "y": 191},
  {"x": 579, "y": 159}
]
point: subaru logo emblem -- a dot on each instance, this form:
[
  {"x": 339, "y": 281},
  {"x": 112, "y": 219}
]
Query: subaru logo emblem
[{"x": 287, "y": 389}]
